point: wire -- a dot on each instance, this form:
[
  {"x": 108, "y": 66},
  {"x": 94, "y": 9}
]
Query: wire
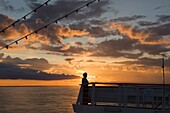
[
  {"x": 24, "y": 17},
  {"x": 45, "y": 26}
]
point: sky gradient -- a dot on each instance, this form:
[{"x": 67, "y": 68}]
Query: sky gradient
[{"x": 111, "y": 40}]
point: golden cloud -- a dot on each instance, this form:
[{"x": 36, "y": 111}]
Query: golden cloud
[
  {"x": 67, "y": 32},
  {"x": 140, "y": 34},
  {"x": 128, "y": 30}
]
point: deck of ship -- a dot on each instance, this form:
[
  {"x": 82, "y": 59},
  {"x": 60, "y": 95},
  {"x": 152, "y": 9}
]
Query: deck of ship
[{"x": 125, "y": 97}]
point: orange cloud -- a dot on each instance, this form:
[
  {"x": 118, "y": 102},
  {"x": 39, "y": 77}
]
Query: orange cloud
[
  {"x": 16, "y": 32},
  {"x": 126, "y": 29},
  {"x": 140, "y": 34},
  {"x": 67, "y": 32}
]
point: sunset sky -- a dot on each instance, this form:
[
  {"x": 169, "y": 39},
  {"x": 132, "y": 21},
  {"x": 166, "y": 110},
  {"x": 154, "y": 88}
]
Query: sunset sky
[{"x": 111, "y": 40}]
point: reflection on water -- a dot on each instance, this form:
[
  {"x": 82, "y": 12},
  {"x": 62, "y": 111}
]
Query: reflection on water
[{"x": 37, "y": 99}]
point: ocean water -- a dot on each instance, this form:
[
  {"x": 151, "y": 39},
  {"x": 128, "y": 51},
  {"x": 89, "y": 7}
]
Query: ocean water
[{"x": 37, "y": 99}]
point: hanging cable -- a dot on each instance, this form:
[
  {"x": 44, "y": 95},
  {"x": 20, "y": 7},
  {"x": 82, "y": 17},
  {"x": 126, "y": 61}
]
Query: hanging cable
[
  {"x": 45, "y": 26},
  {"x": 24, "y": 17}
]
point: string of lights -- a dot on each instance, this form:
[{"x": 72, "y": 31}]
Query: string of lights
[
  {"x": 45, "y": 26},
  {"x": 24, "y": 17}
]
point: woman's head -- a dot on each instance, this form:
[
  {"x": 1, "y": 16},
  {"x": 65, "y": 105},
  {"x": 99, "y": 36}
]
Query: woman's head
[{"x": 85, "y": 75}]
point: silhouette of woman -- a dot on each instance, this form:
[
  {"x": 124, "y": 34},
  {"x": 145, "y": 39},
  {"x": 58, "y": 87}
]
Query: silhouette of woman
[{"x": 85, "y": 83}]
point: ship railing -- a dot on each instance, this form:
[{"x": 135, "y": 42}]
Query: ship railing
[{"x": 125, "y": 95}]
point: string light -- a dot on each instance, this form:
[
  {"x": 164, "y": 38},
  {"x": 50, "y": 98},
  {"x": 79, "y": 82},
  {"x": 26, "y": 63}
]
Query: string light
[
  {"x": 6, "y": 46},
  {"x": 55, "y": 21},
  {"x": 24, "y": 17},
  {"x": 35, "y": 10}
]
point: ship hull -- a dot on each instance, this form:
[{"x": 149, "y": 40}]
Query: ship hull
[{"x": 113, "y": 109}]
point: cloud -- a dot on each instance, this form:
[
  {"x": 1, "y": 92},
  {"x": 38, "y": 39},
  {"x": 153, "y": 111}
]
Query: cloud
[
  {"x": 146, "y": 62},
  {"x": 144, "y": 35},
  {"x": 67, "y": 32},
  {"x": 131, "y": 32},
  {"x": 34, "y": 63},
  {"x": 113, "y": 48},
  {"x": 95, "y": 61},
  {"x": 127, "y": 18},
  {"x": 55, "y": 33},
  {"x": 9, "y": 71},
  {"x": 159, "y": 7},
  {"x": 62, "y": 7},
  {"x": 71, "y": 51},
  {"x": 147, "y": 23},
  {"x": 163, "y": 18},
  {"x": 29, "y": 69},
  {"x": 152, "y": 49},
  {"x": 98, "y": 31},
  {"x": 5, "y": 5},
  {"x": 13, "y": 32},
  {"x": 69, "y": 60}
]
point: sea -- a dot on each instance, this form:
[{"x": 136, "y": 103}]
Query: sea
[{"x": 38, "y": 99}]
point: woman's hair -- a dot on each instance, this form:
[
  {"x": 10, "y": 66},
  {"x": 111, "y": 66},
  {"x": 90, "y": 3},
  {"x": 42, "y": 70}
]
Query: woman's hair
[{"x": 85, "y": 75}]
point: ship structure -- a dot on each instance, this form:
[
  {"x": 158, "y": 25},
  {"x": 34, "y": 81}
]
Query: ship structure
[{"x": 123, "y": 98}]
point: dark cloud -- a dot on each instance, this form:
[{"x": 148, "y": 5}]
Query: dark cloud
[
  {"x": 18, "y": 30},
  {"x": 69, "y": 60},
  {"x": 68, "y": 52},
  {"x": 95, "y": 61},
  {"x": 159, "y": 7},
  {"x": 163, "y": 18},
  {"x": 127, "y": 18},
  {"x": 152, "y": 49},
  {"x": 146, "y": 62},
  {"x": 34, "y": 63},
  {"x": 79, "y": 43},
  {"x": 9, "y": 71},
  {"x": 62, "y": 7},
  {"x": 113, "y": 48},
  {"x": 159, "y": 34},
  {"x": 147, "y": 23},
  {"x": 97, "y": 22},
  {"x": 5, "y": 20},
  {"x": 29, "y": 69},
  {"x": 99, "y": 32}
]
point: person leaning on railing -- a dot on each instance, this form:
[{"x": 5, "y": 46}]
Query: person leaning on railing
[{"x": 85, "y": 83}]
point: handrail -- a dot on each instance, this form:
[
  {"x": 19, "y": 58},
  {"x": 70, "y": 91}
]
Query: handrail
[{"x": 137, "y": 84}]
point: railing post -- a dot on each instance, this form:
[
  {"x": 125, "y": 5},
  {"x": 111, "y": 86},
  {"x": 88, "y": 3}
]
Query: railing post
[
  {"x": 93, "y": 95},
  {"x": 137, "y": 96},
  {"x": 125, "y": 96},
  {"x": 120, "y": 96}
]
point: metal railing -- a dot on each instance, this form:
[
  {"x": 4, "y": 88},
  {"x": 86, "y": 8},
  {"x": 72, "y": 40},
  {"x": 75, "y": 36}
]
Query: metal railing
[{"x": 148, "y": 96}]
